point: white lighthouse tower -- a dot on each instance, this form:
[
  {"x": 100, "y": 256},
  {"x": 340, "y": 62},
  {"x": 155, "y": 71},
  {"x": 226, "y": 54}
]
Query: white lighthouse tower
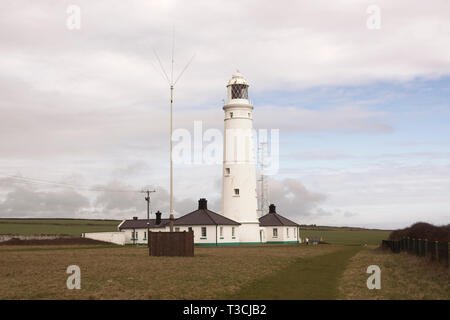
[{"x": 239, "y": 199}]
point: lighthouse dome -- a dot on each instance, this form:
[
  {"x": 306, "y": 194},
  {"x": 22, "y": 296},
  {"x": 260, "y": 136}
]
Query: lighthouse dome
[{"x": 237, "y": 78}]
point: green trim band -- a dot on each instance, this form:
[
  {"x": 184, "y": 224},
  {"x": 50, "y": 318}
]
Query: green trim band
[
  {"x": 209, "y": 244},
  {"x": 286, "y": 242}
]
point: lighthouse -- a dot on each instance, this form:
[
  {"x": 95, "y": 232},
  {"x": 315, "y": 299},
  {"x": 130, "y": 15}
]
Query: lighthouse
[{"x": 239, "y": 199}]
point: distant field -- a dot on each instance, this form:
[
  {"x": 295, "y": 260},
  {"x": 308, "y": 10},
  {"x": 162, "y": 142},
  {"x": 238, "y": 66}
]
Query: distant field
[
  {"x": 55, "y": 226},
  {"x": 332, "y": 235},
  {"x": 345, "y": 236}
]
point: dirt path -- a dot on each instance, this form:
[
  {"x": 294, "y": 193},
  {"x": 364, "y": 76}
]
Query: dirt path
[{"x": 311, "y": 278}]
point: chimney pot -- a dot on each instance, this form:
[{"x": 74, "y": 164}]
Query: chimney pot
[
  {"x": 272, "y": 208},
  {"x": 158, "y": 217},
  {"x": 202, "y": 204}
]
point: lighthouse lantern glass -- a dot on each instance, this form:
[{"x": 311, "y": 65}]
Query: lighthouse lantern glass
[{"x": 239, "y": 91}]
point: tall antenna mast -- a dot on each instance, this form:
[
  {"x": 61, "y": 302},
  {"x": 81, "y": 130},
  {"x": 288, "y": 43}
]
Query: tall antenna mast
[
  {"x": 264, "y": 188},
  {"x": 172, "y": 84}
]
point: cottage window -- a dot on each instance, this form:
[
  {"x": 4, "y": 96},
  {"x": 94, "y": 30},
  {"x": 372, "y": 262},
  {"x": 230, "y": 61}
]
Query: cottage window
[
  {"x": 203, "y": 232},
  {"x": 287, "y": 232},
  {"x": 275, "y": 232},
  {"x": 232, "y": 231},
  {"x": 177, "y": 229},
  {"x": 221, "y": 231},
  {"x": 190, "y": 229}
]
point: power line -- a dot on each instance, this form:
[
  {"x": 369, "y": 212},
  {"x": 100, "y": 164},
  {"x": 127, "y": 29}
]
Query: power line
[{"x": 34, "y": 181}]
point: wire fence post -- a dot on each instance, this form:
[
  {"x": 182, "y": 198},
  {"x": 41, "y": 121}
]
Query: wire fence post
[
  {"x": 448, "y": 257},
  {"x": 436, "y": 247}
]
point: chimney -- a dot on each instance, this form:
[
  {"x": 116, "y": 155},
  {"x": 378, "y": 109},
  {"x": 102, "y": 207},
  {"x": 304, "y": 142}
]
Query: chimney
[
  {"x": 158, "y": 217},
  {"x": 202, "y": 204},
  {"x": 272, "y": 208},
  {"x": 134, "y": 218}
]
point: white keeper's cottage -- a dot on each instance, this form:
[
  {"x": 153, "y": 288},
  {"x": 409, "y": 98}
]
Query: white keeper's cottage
[{"x": 239, "y": 222}]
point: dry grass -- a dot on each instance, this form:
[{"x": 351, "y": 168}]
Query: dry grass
[
  {"x": 402, "y": 277},
  {"x": 129, "y": 273}
]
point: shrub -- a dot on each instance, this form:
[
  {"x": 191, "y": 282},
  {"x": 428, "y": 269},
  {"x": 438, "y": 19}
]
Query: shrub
[{"x": 423, "y": 230}]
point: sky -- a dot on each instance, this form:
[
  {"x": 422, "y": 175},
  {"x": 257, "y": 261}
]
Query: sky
[{"x": 362, "y": 111}]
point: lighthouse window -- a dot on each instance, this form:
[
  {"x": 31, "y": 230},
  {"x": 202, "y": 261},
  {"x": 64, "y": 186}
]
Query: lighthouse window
[
  {"x": 239, "y": 91},
  {"x": 231, "y": 114},
  {"x": 236, "y": 192},
  {"x": 227, "y": 170}
]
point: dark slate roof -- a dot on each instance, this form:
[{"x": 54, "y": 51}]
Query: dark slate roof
[
  {"x": 142, "y": 223},
  {"x": 204, "y": 217},
  {"x": 274, "y": 219}
]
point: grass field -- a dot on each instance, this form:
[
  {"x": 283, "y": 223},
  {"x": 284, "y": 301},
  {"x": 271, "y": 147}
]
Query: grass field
[
  {"x": 253, "y": 272},
  {"x": 403, "y": 276},
  {"x": 129, "y": 273},
  {"x": 55, "y": 226},
  {"x": 347, "y": 236}
]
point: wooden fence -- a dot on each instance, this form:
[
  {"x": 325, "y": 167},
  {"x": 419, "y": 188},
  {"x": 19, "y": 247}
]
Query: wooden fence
[
  {"x": 433, "y": 250},
  {"x": 171, "y": 244}
]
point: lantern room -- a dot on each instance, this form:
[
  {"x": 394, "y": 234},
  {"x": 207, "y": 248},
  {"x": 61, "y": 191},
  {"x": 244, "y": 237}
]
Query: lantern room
[{"x": 237, "y": 89}]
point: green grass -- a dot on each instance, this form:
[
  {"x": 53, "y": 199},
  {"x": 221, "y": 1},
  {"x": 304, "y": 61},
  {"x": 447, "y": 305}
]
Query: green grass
[
  {"x": 339, "y": 236},
  {"x": 403, "y": 277},
  {"x": 55, "y": 226},
  {"x": 130, "y": 273},
  {"x": 306, "y": 278}
]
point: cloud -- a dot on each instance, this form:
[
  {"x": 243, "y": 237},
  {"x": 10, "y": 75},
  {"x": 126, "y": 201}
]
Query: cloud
[
  {"x": 93, "y": 103},
  {"x": 294, "y": 200},
  {"x": 25, "y": 202},
  {"x": 349, "y": 119}
]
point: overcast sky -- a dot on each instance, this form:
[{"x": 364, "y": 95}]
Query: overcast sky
[{"x": 363, "y": 113}]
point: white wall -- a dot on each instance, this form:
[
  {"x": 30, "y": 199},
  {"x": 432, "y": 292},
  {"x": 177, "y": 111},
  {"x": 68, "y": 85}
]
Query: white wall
[
  {"x": 198, "y": 239},
  {"x": 113, "y": 237},
  {"x": 282, "y": 234}
]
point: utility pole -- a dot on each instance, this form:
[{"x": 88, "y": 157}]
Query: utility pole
[{"x": 147, "y": 198}]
